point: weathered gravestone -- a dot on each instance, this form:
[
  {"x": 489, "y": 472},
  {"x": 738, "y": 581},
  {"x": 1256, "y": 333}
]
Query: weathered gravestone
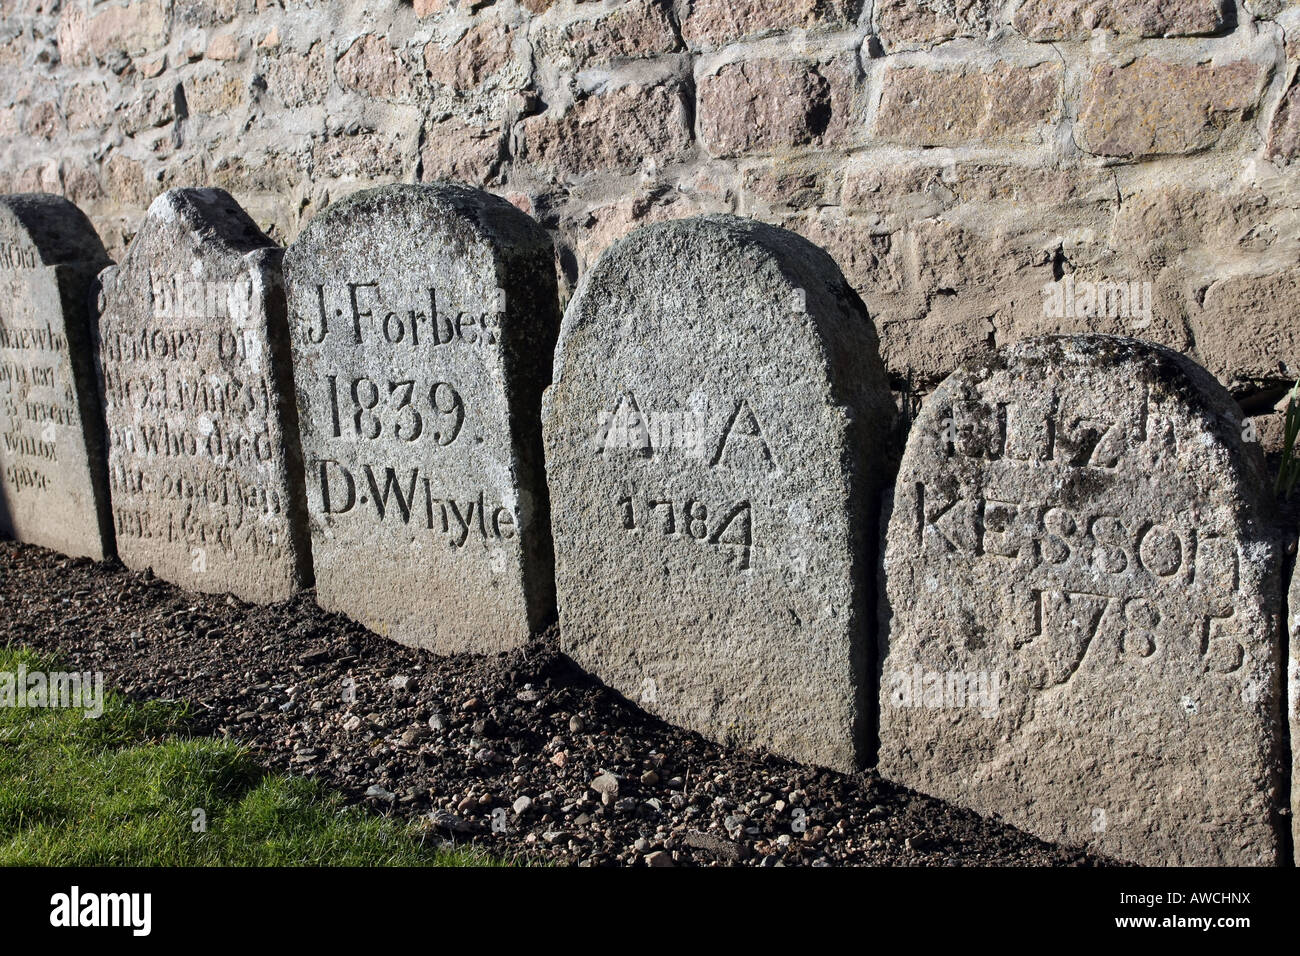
[
  {"x": 424, "y": 320},
  {"x": 719, "y": 418},
  {"x": 54, "y": 490},
  {"x": 203, "y": 446},
  {"x": 1080, "y": 630}
]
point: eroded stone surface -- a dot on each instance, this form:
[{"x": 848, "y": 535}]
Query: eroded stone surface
[
  {"x": 1079, "y": 630},
  {"x": 1077, "y": 19},
  {"x": 204, "y": 464},
  {"x": 718, "y": 421},
  {"x": 1151, "y": 107},
  {"x": 1293, "y": 699},
  {"x": 423, "y": 322},
  {"x": 53, "y": 482}
]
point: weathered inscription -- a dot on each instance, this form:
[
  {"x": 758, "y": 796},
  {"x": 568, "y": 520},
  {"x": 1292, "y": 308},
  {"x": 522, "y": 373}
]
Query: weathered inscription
[
  {"x": 708, "y": 436},
  {"x": 52, "y": 477},
  {"x": 422, "y": 321},
  {"x": 204, "y": 461},
  {"x": 1081, "y": 518}
]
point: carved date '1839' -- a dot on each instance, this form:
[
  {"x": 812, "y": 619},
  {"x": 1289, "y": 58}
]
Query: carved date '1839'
[{"x": 394, "y": 409}]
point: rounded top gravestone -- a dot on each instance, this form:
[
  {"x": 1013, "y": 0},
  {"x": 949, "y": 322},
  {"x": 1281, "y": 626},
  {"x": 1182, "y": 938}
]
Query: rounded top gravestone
[
  {"x": 715, "y": 436},
  {"x": 424, "y": 320},
  {"x": 53, "y": 482},
  {"x": 203, "y": 439},
  {"x": 41, "y": 229},
  {"x": 1080, "y": 630}
]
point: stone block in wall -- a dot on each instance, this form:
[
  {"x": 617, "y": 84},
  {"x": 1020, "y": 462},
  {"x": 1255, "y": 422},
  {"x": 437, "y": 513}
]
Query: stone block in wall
[
  {"x": 297, "y": 78},
  {"x": 1151, "y": 106},
  {"x": 204, "y": 463},
  {"x": 456, "y": 149},
  {"x": 1247, "y": 329},
  {"x": 467, "y": 62},
  {"x": 613, "y": 131},
  {"x": 1284, "y": 130},
  {"x": 914, "y": 24},
  {"x": 965, "y": 104},
  {"x": 771, "y": 105},
  {"x": 714, "y": 23},
  {"x": 1082, "y": 598},
  {"x": 372, "y": 66},
  {"x": 717, "y": 424},
  {"x": 1049, "y": 20},
  {"x": 635, "y": 30},
  {"x": 53, "y": 478},
  {"x": 87, "y": 34},
  {"x": 423, "y": 322}
]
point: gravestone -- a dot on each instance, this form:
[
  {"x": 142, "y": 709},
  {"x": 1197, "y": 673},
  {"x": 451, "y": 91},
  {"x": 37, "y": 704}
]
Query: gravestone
[
  {"x": 718, "y": 425},
  {"x": 204, "y": 462},
  {"x": 54, "y": 490},
  {"x": 1080, "y": 625},
  {"x": 424, "y": 320}
]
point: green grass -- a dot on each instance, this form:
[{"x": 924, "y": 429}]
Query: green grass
[{"x": 120, "y": 790}]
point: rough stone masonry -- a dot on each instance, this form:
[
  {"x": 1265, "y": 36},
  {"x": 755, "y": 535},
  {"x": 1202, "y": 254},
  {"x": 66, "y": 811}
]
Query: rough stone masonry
[
  {"x": 1080, "y": 627},
  {"x": 986, "y": 148},
  {"x": 713, "y": 446},
  {"x": 204, "y": 464},
  {"x": 53, "y": 484},
  {"x": 424, "y": 320}
]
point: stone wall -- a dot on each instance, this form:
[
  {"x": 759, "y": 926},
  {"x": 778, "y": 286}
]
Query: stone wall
[{"x": 955, "y": 158}]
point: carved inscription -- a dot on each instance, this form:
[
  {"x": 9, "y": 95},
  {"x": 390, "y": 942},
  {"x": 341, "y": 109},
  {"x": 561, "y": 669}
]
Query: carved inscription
[
  {"x": 36, "y": 391},
  {"x": 715, "y": 436},
  {"x": 737, "y": 444},
  {"x": 423, "y": 320},
  {"x": 200, "y": 457},
  {"x": 1080, "y": 517},
  {"x": 193, "y": 428},
  {"x": 1109, "y": 555},
  {"x": 411, "y": 411},
  {"x": 52, "y": 485}
]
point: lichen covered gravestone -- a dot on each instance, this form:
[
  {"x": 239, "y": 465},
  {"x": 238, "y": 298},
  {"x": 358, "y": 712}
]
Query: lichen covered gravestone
[
  {"x": 717, "y": 429},
  {"x": 54, "y": 489},
  {"x": 1080, "y": 630},
  {"x": 203, "y": 445},
  {"x": 424, "y": 320}
]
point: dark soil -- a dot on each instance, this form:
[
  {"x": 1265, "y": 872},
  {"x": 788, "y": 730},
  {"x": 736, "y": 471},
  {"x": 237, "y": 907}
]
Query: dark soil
[{"x": 456, "y": 742}]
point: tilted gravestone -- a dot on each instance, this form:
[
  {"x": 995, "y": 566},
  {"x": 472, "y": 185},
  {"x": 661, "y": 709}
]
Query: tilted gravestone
[
  {"x": 1080, "y": 630},
  {"x": 204, "y": 462},
  {"x": 54, "y": 488},
  {"x": 424, "y": 320},
  {"x": 718, "y": 424}
]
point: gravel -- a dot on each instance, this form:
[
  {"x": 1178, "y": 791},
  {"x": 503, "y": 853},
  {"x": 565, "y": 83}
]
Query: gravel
[{"x": 577, "y": 774}]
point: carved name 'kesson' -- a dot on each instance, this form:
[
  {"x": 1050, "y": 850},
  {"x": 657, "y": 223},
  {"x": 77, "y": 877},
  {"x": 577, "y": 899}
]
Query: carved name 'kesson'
[{"x": 1080, "y": 518}]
